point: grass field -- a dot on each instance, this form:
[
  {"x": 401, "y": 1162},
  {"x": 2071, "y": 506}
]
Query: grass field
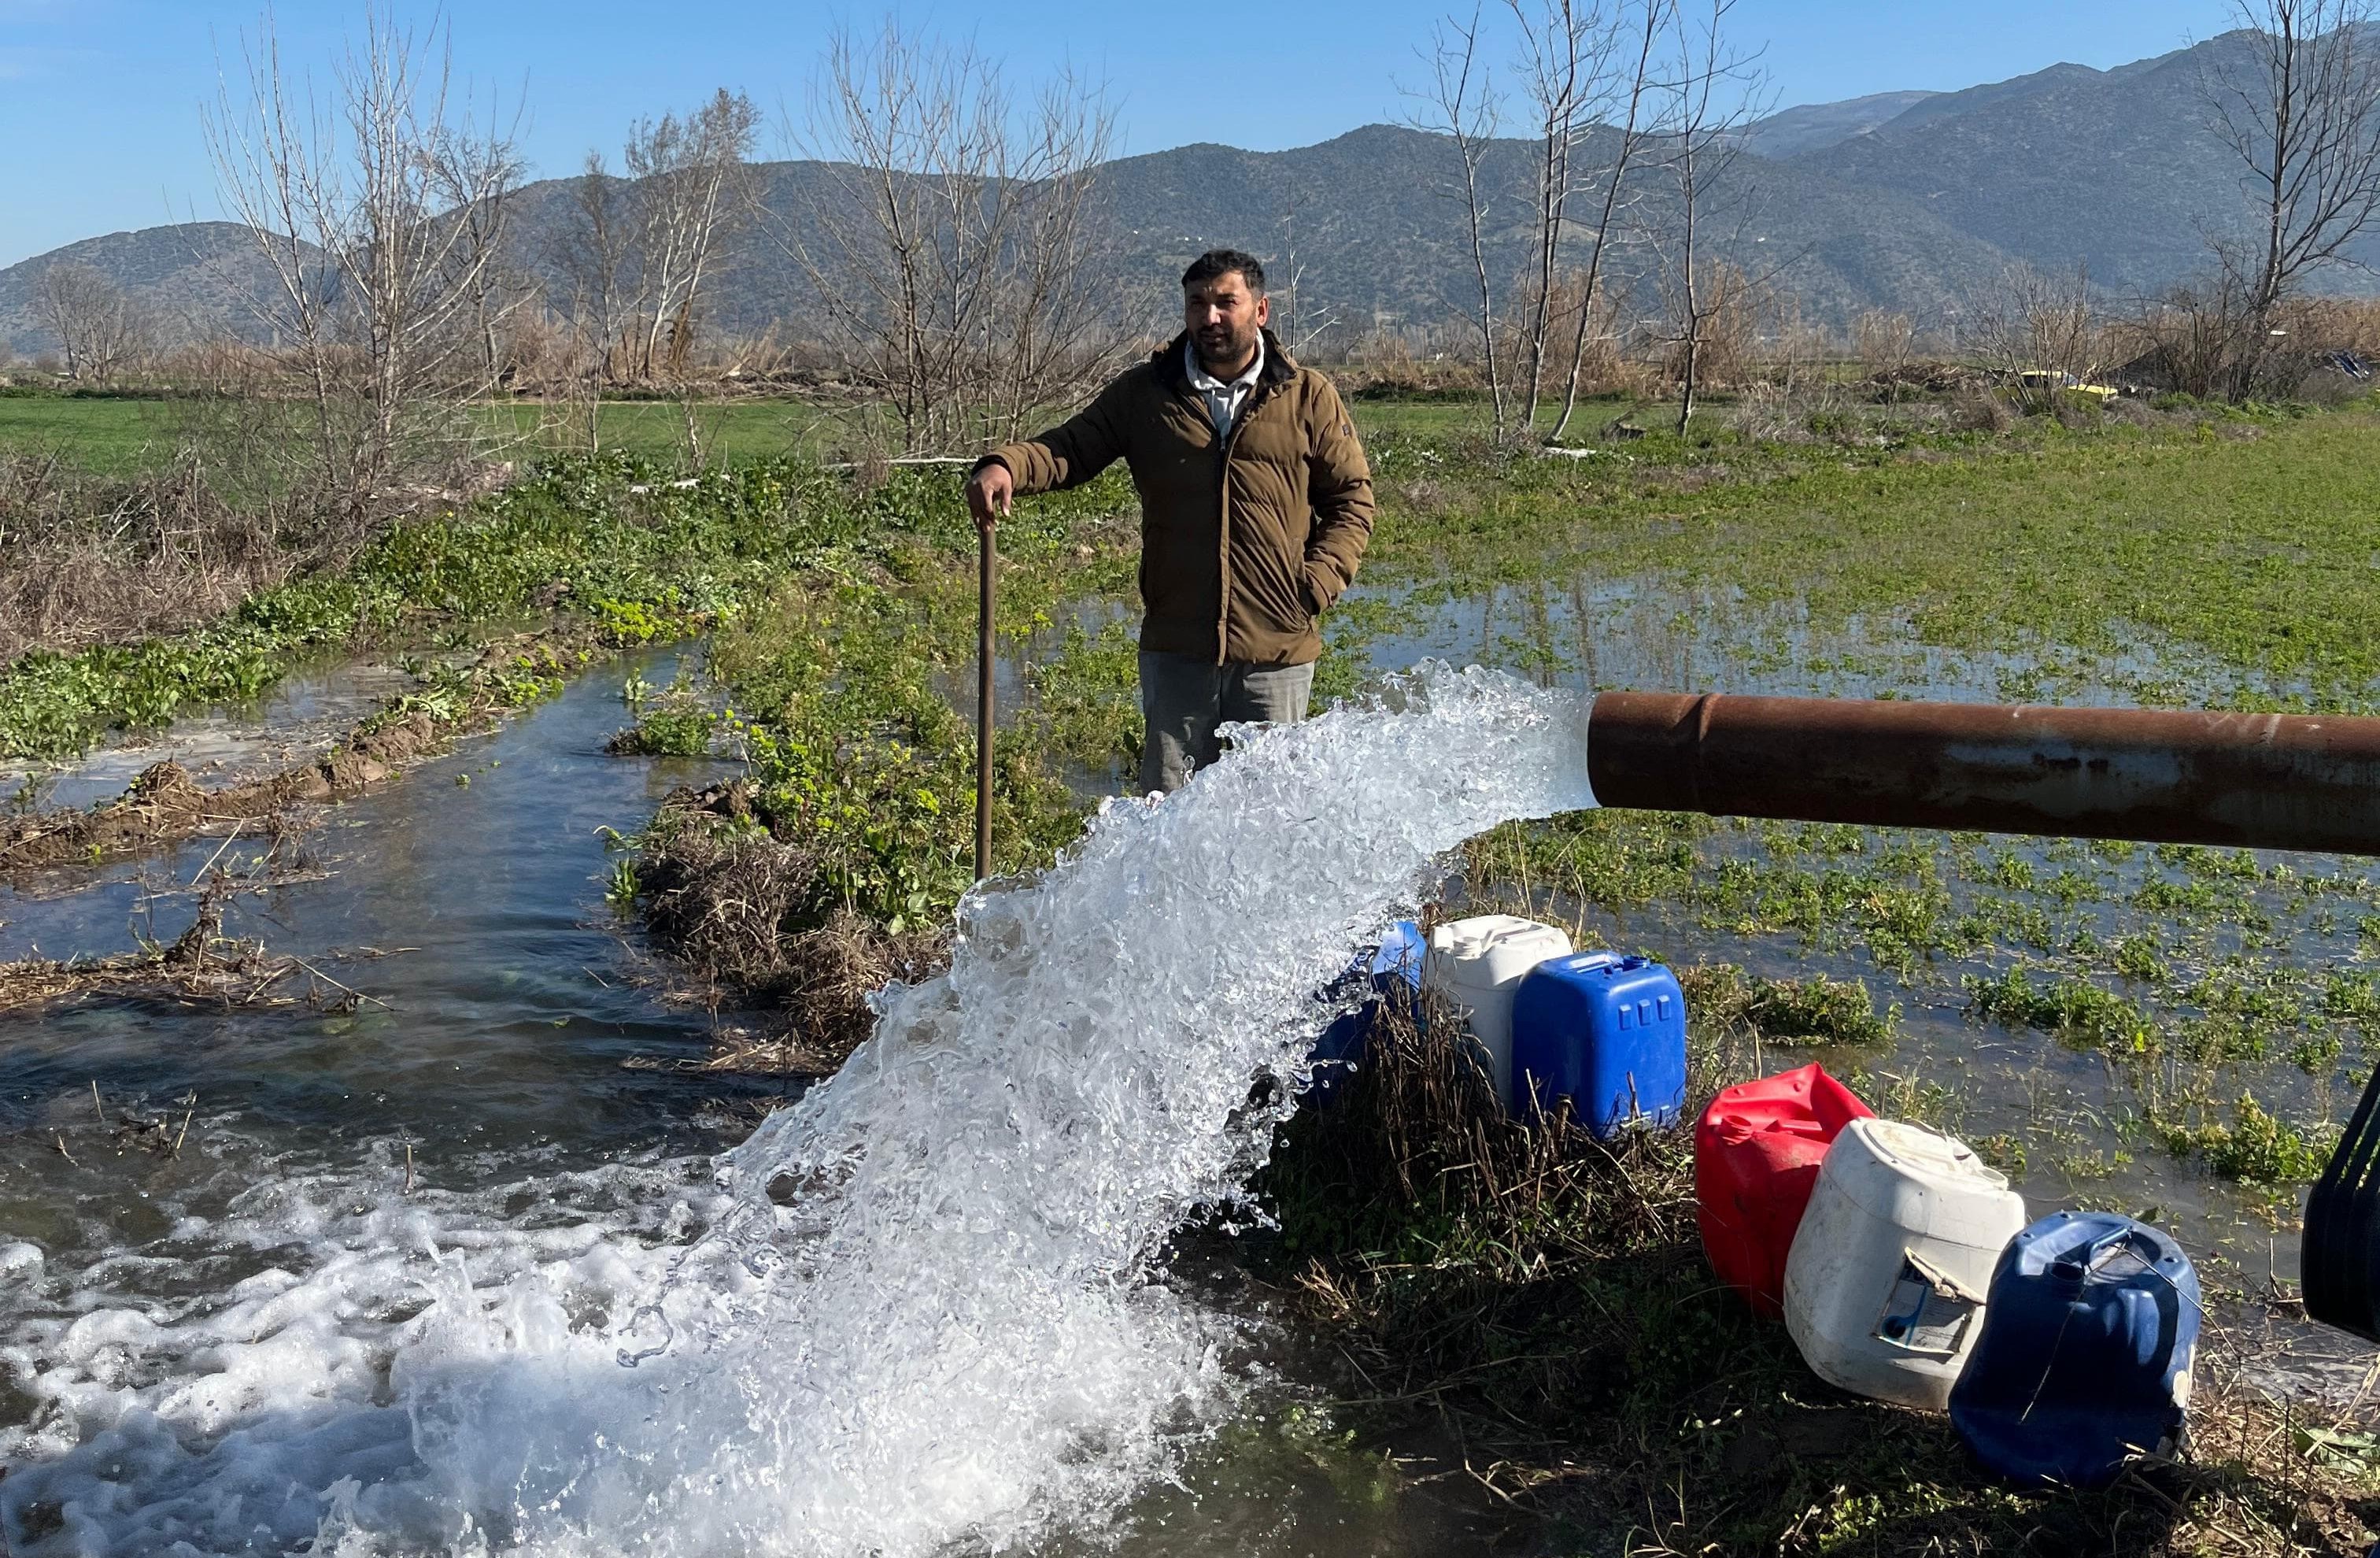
[
  {"x": 113, "y": 436},
  {"x": 2169, "y": 1032},
  {"x": 119, "y": 436},
  {"x": 2253, "y": 541}
]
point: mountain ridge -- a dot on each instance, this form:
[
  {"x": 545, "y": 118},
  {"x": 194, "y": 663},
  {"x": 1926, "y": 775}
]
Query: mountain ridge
[{"x": 1911, "y": 201}]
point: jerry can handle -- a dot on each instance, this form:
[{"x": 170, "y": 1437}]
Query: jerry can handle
[{"x": 2072, "y": 1269}]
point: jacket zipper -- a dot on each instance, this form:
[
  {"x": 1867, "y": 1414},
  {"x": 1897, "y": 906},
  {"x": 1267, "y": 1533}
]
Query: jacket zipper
[{"x": 1259, "y": 393}]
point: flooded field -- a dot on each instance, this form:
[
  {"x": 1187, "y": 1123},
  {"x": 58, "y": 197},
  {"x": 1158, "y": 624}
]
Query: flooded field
[
  {"x": 314, "y": 1265},
  {"x": 2223, "y": 972},
  {"x": 306, "y": 713},
  {"x": 236, "y": 1234}
]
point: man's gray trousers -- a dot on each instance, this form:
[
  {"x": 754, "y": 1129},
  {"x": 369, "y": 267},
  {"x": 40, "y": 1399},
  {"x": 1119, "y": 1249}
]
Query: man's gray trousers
[{"x": 1183, "y": 698}]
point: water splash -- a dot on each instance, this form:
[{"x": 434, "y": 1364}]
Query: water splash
[{"x": 925, "y": 1307}]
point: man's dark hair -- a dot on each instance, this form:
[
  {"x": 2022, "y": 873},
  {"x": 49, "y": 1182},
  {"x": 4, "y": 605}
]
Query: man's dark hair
[{"x": 1222, "y": 261}]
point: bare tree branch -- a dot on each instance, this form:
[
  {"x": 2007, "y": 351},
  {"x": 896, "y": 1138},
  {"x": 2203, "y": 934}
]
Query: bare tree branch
[
  {"x": 1567, "y": 51},
  {"x": 100, "y": 329},
  {"x": 2038, "y": 334},
  {"x": 2297, "y": 101},
  {"x": 691, "y": 185},
  {"x": 1715, "y": 93},
  {"x": 1614, "y": 176},
  {"x": 592, "y": 252},
  {"x": 946, "y": 245},
  {"x": 1460, "y": 102},
  {"x": 378, "y": 206}
]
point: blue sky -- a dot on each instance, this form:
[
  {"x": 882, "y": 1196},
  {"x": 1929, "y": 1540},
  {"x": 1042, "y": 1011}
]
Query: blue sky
[{"x": 99, "y": 99}]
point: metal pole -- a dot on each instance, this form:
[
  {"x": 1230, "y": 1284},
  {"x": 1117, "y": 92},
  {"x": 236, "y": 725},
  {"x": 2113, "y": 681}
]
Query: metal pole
[
  {"x": 2261, "y": 781},
  {"x": 987, "y": 560}
]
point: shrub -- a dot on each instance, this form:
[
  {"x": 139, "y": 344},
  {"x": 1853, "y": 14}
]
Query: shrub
[
  {"x": 2257, "y": 1148},
  {"x": 1980, "y": 411}
]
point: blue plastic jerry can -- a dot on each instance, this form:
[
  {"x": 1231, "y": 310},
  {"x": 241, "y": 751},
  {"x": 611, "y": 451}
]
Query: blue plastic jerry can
[
  {"x": 1608, "y": 1033},
  {"x": 2084, "y": 1359},
  {"x": 1393, "y": 972}
]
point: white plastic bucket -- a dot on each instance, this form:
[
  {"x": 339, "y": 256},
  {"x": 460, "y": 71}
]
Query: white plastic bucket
[
  {"x": 1476, "y": 964},
  {"x": 1885, "y": 1284}
]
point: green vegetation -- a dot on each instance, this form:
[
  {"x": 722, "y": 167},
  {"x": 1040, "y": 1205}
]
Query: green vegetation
[
  {"x": 2206, "y": 1006},
  {"x": 674, "y": 722},
  {"x": 2075, "y": 1010},
  {"x": 117, "y": 434},
  {"x": 1813, "y": 1011},
  {"x": 120, "y": 433},
  {"x": 842, "y": 687},
  {"x": 605, "y": 540},
  {"x": 102, "y": 432},
  {"x": 2255, "y": 1146}
]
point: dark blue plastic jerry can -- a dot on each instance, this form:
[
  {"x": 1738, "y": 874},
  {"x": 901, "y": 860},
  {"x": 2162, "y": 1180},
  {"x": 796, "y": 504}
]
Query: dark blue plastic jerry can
[
  {"x": 2084, "y": 1358},
  {"x": 1393, "y": 972},
  {"x": 1607, "y": 1033}
]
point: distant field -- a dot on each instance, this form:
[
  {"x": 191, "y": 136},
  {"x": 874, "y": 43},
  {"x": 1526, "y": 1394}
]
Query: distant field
[
  {"x": 110, "y": 435},
  {"x": 119, "y": 436},
  {"x": 730, "y": 430}
]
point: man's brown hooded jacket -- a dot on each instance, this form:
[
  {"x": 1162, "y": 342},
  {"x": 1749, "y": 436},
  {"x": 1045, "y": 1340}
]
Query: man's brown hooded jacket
[{"x": 1243, "y": 542}]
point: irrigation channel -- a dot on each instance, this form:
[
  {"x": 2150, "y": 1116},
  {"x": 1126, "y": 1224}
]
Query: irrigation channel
[{"x": 422, "y": 1265}]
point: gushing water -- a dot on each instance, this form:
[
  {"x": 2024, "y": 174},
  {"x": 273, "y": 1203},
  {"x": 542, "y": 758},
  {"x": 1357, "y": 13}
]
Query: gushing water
[{"x": 921, "y": 1306}]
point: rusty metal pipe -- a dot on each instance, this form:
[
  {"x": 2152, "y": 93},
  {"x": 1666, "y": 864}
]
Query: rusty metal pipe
[{"x": 2159, "y": 776}]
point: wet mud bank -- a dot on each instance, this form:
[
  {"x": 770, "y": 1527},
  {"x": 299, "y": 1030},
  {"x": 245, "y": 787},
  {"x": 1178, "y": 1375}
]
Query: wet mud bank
[
  {"x": 167, "y": 803},
  {"x": 739, "y": 914}
]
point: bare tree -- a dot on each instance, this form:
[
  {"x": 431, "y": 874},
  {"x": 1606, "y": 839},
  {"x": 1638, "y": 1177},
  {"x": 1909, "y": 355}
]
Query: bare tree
[
  {"x": 1714, "y": 95},
  {"x": 592, "y": 252},
  {"x": 1579, "y": 63},
  {"x": 946, "y": 240},
  {"x": 1635, "y": 89},
  {"x": 100, "y": 329},
  {"x": 2037, "y": 332},
  {"x": 377, "y": 204},
  {"x": 2298, "y": 102},
  {"x": 2189, "y": 336},
  {"x": 1061, "y": 335},
  {"x": 462, "y": 167},
  {"x": 692, "y": 187},
  {"x": 1883, "y": 340},
  {"x": 1300, "y": 327},
  {"x": 1560, "y": 44},
  {"x": 1460, "y": 102}
]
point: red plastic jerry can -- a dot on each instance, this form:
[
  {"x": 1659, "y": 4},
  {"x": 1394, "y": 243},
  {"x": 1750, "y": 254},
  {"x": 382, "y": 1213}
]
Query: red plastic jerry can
[{"x": 1757, "y": 1149}]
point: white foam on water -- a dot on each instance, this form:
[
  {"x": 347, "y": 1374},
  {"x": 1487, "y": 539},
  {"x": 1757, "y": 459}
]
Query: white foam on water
[{"x": 924, "y": 1306}]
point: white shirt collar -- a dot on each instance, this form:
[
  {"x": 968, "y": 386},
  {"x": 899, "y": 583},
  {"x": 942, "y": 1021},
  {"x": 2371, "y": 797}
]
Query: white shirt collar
[{"x": 1207, "y": 383}]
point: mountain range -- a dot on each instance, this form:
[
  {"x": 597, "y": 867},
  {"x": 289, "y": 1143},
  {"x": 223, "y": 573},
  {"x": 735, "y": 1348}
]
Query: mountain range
[{"x": 1910, "y": 200}]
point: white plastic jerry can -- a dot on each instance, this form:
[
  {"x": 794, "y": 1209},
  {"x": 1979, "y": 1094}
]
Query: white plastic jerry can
[
  {"x": 1476, "y": 966},
  {"x": 1884, "y": 1283}
]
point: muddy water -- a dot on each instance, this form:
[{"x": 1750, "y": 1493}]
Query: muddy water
[
  {"x": 493, "y": 1000},
  {"x": 480, "y": 1054},
  {"x": 463, "y": 903}
]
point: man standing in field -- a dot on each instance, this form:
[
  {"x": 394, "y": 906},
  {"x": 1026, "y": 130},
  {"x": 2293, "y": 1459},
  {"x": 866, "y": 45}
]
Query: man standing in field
[{"x": 1255, "y": 505}]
